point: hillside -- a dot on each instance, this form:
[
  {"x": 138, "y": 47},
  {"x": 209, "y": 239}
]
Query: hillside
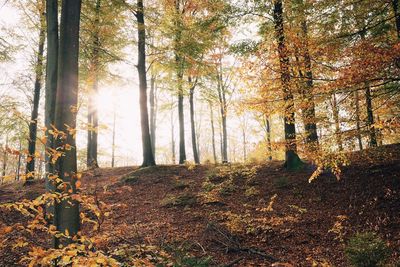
[{"x": 235, "y": 215}]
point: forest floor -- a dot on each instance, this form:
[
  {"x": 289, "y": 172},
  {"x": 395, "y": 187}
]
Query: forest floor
[{"x": 237, "y": 215}]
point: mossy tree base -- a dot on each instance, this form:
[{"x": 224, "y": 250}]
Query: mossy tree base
[{"x": 293, "y": 161}]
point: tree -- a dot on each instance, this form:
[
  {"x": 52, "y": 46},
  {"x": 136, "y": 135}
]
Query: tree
[
  {"x": 192, "y": 122},
  {"x": 66, "y": 217},
  {"x": 292, "y": 160},
  {"x": 30, "y": 165},
  {"x": 148, "y": 156}
]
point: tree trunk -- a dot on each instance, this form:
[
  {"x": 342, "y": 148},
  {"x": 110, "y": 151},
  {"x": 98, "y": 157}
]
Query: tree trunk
[
  {"x": 395, "y": 5},
  {"x": 113, "y": 139},
  {"x": 172, "y": 135},
  {"x": 358, "y": 128},
  {"x": 30, "y": 165},
  {"x": 268, "y": 129},
  {"x": 66, "y": 217},
  {"x": 191, "y": 104},
  {"x": 338, "y": 133},
  {"x": 153, "y": 114},
  {"x": 5, "y": 158},
  {"x": 244, "y": 144},
  {"x": 17, "y": 172},
  {"x": 93, "y": 120},
  {"x": 370, "y": 117},
  {"x": 213, "y": 133},
  {"x": 309, "y": 112},
  {"x": 148, "y": 158},
  {"x": 223, "y": 110},
  {"x": 292, "y": 160}
]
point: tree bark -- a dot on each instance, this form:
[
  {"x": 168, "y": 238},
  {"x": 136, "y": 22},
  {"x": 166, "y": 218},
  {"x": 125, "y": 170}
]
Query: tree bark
[
  {"x": 192, "y": 124},
  {"x": 5, "y": 159},
  {"x": 153, "y": 113},
  {"x": 148, "y": 158},
  {"x": 113, "y": 139},
  {"x": 338, "y": 133},
  {"x": 93, "y": 119},
  {"x": 370, "y": 117},
  {"x": 223, "y": 110},
  {"x": 213, "y": 133},
  {"x": 358, "y": 128},
  {"x": 309, "y": 112},
  {"x": 66, "y": 217},
  {"x": 395, "y": 5},
  {"x": 292, "y": 160},
  {"x": 30, "y": 165}
]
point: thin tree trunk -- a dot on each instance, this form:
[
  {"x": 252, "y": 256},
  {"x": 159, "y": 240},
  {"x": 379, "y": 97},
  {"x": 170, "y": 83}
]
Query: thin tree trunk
[
  {"x": 93, "y": 120},
  {"x": 244, "y": 144},
  {"x": 172, "y": 135},
  {"x": 66, "y": 217},
  {"x": 309, "y": 112},
  {"x": 5, "y": 159},
  {"x": 113, "y": 140},
  {"x": 213, "y": 133},
  {"x": 18, "y": 161},
  {"x": 148, "y": 157},
  {"x": 358, "y": 128},
  {"x": 268, "y": 129},
  {"x": 193, "y": 128},
  {"x": 395, "y": 5},
  {"x": 30, "y": 165},
  {"x": 153, "y": 114},
  {"x": 338, "y": 133},
  {"x": 370, "y": 117},
  {"x": 223, "y": 109},
  {"x": 292, "y": 160}
]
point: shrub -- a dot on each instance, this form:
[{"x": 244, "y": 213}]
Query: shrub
[{"x": 366, "y": 250}]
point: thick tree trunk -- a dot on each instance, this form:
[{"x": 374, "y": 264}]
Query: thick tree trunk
[
  {"x": 338, "y": 133},
  {"x": 148, "y": 158},
  {"x": 192, "y": 124},
  {"x": 395, "y": 5},
  {"x": 213, "y": 133},
  {"x": 66, "y": 217},
  {"x": 153, "y": 113},
  {"x": 30, "y": 165},
  {"x": 358, "y": 128},
  {"x": 292, "y": 160}
]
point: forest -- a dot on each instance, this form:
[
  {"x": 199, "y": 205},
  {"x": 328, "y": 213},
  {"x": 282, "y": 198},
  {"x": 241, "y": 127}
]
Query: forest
[{"x": 200, "y": 133}]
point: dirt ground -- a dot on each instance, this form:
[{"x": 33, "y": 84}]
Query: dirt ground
[{"x": 249, "y": 215}]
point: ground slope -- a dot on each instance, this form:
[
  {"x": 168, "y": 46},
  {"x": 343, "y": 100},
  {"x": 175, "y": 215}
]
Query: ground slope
[{"x": 250, "y": 215}]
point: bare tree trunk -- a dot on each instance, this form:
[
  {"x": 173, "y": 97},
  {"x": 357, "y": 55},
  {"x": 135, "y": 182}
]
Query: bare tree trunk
[
  {"x": 338, "y": 133},
  {"x": 172, "y": 135},
  {"x": 268, "y": 129},
  {"x": 358, "y": 128},
  {"x": 223, "y": 109},
  {"x": 113, "y": 139},
  {"x": 17, "y": 172},
  {"x": 30, "y": 165},
  {"x": 292, "y": 160},
  {"x": 213, "y": 133},
  {"x": 5, "y": 159},
  {"x": 153, "y": 113},
  {"x": 370, "y": 117},
  {"x": 395, "y": 5},
  {"x": 192, "y": 124},
  {"x": 148, "y": 157},
  {"x": 93, "y": 120},
  {"x": 66, "y": 217}
]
